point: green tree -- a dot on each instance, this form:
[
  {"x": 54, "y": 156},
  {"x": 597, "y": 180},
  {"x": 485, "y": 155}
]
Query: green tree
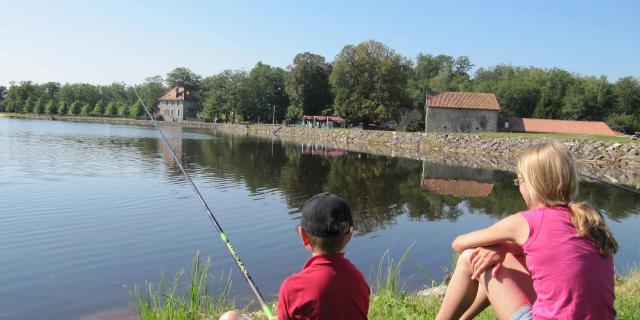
[
  {"x": 98, "y": 109},
  {"x": 38, "y": 107},
  {"x": 184, "y": 77},
  {"x": 623, "y": 123},
  {"x": 627, "y": 97},
  {"x": 369, "y": 82},
  {"x": 74, "y": 109},
  {"x": 3, "y": 98},
  {"x": 552, "y": 94},
  {"x": 271, "y": 100},
  {"x": 588, "y": 98},
  {"x": 27, "y": 106},
  {"x": 136, "y": 111},
  {"x": 294, "y": 114},
  {"x": 111, "y": 110},
  {"x": 151, "y": 91},
  {"x": 51, "y": 107},
  {"x": 123, "y": 110},
  {"x": 62, "y": 108},
  {"x": 85, "y": 110},
  {"x": 229, "y": 92},
  {"x": 307, "y": 85}
]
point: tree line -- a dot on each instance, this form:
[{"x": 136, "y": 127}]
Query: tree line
[{"x": 368, "y": 82}]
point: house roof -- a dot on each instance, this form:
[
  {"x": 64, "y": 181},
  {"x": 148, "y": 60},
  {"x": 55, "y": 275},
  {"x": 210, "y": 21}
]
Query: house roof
[
  {"x": 463, "y": 100},
  {"x": 176, "y": 93},
  {"x": 326, "y": 118},
  {"x": 560, "y": 126},
  {"x": 456, "y": 188}
]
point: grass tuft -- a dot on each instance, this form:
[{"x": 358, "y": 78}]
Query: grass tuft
[{"x": 172, "y": 300}]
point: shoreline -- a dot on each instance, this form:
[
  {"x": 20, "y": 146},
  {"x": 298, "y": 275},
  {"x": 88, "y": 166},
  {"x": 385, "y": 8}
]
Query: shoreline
[{"x": 616, "y": 162}]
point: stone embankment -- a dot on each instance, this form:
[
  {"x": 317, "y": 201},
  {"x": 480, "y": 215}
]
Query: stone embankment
[{"x": 612, "y": 161}]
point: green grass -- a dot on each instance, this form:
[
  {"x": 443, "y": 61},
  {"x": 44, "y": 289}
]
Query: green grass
[
  {"x": 194, "y": 299},
  {"x": 557, "y": 136},
  {"x": 181, "y": 300}
]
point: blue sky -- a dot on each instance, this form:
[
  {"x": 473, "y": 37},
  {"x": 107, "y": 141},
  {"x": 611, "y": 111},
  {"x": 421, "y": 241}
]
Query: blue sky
[{"x": 125, "y": 41}]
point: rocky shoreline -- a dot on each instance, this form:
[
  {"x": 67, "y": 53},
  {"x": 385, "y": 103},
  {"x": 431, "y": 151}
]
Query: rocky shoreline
[
  {"x": 611, "y": 161},
  {"x": 614, "y": 162}
]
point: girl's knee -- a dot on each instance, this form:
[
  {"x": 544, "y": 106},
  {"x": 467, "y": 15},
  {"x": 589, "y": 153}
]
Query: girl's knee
[{"x": 464, "y": 260}]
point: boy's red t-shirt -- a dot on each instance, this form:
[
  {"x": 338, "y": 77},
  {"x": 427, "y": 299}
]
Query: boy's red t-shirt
[{"x": 327, "y": 287}]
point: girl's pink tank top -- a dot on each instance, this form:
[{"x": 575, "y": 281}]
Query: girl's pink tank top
[{"x": 571, "y": 279}]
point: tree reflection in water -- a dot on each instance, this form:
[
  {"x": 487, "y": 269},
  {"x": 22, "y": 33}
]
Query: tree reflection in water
[{"x": 379, "y": 188}]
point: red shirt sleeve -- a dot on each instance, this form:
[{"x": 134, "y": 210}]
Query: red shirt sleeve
[{"x": 283, "y": 311}]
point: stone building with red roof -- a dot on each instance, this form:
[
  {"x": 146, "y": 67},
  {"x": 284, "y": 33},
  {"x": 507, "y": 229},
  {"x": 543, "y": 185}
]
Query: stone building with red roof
[
  {"x": 461, "y": 112},
  {"x": 177, "y": 105}
]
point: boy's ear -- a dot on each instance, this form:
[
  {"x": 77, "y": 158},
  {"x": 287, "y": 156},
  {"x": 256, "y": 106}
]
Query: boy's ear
[{"x": 304, "y": 236}]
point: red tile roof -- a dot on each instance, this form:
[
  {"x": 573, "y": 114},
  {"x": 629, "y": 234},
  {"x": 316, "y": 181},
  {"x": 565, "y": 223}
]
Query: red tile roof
[
  {"x": 463, "y": 100},
  {"x": 176, "y": 93},
  {"x": 560, "y": 126},
  {"x": 456, "y": 188}
]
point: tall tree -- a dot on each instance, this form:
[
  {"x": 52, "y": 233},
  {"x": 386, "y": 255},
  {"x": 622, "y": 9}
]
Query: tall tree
[
  {"x": 74, "y": 108},
  {"x": 552, "y": 94},
  {"x": 307, "y": 84},
  {"x": 3, "y": 98},
  {"x": 369, "y": 81},
  {"x": 38, "y": 107},
  {"x": 151, "y": 91},
  {"x": 27, "y": 106},
  {"x": 98, "y": 109},
  {"x": 51, "y": 107},
  {"x": 270, "y": 96},
  {"x": 184, "y": 77},
  {"x": 111, "y": 110}
]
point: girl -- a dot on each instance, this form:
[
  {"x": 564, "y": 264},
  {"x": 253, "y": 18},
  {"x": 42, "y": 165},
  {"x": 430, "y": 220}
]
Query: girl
[{"x": 554, "y": 261}]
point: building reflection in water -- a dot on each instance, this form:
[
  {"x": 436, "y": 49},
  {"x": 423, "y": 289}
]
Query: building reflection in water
[
  {"x": 316, "y": 150},
  {"x": 174, "y": 136},
  {"x": 456, "y": 181}
]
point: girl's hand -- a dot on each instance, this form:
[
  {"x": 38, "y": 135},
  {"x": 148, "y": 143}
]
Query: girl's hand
[{"x": 484, "y": 257}]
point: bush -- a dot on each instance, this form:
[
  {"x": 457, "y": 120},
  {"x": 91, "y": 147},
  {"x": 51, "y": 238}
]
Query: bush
[{"x": 415, "y": 126}]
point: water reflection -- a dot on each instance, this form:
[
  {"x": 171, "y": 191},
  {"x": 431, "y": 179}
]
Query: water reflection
[{"x": 378, "y": 188}]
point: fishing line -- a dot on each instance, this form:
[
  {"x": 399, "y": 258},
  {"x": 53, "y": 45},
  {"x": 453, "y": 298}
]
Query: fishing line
[{"x": 216, "y": 224}]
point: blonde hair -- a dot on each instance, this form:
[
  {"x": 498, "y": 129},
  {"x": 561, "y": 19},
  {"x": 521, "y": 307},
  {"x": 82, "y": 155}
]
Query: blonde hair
[{"x": 550, "y": 176}]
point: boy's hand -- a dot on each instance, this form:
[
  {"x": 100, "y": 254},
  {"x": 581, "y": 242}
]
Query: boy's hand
[{"x": 484, "y": 257}]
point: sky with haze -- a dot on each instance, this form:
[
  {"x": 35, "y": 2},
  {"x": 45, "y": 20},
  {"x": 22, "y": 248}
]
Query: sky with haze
[{"x": 101, "y": 42}]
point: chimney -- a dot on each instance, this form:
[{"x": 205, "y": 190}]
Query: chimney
[{"x": 177, "y": 91}]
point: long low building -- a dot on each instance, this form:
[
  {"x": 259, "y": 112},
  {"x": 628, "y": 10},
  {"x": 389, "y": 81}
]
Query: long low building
[{"x": 556, "y": 126}]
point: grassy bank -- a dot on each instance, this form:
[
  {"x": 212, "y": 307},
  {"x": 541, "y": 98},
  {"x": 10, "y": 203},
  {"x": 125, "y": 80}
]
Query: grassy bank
[{"x": 201, "y": 297}]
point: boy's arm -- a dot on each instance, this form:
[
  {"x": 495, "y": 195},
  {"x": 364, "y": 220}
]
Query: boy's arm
[
  {"x": 514, "y": 229},
  {"x": 282, "y": 312}
]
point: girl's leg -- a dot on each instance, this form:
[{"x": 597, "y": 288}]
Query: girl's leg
[
  {"x": 462, "y": 290},
  {"x": 511, "y": 288},
  {"x": 480, "y": 303}
]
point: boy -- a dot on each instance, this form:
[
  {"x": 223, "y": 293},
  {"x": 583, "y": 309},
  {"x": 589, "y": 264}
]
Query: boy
[{"x": 328, "y": 286}]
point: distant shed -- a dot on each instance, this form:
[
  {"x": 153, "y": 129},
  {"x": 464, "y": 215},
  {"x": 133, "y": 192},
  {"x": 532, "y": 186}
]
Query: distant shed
[
  {"x": 557, "y": 126},
  {"x": 461, "y": 112}
]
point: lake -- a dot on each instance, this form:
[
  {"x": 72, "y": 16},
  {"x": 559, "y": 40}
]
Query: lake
[{"x": 88, "y": 208}]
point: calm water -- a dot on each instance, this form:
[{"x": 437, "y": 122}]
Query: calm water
[{"x": 88, "y": 208}]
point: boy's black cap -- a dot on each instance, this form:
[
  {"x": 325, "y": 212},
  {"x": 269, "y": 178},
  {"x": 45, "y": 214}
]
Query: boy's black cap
[{"x": 326, "y": 215}]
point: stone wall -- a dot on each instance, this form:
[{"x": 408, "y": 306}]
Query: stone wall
[
  {"x": 611, "y": 161},
  {"x": 460, "y": 120}
]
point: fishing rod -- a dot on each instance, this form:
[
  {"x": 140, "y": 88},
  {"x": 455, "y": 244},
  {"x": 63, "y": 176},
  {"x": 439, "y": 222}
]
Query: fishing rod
[
  {"x": 216, "y": 224},
  {"x": 609, "y": 183}
]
